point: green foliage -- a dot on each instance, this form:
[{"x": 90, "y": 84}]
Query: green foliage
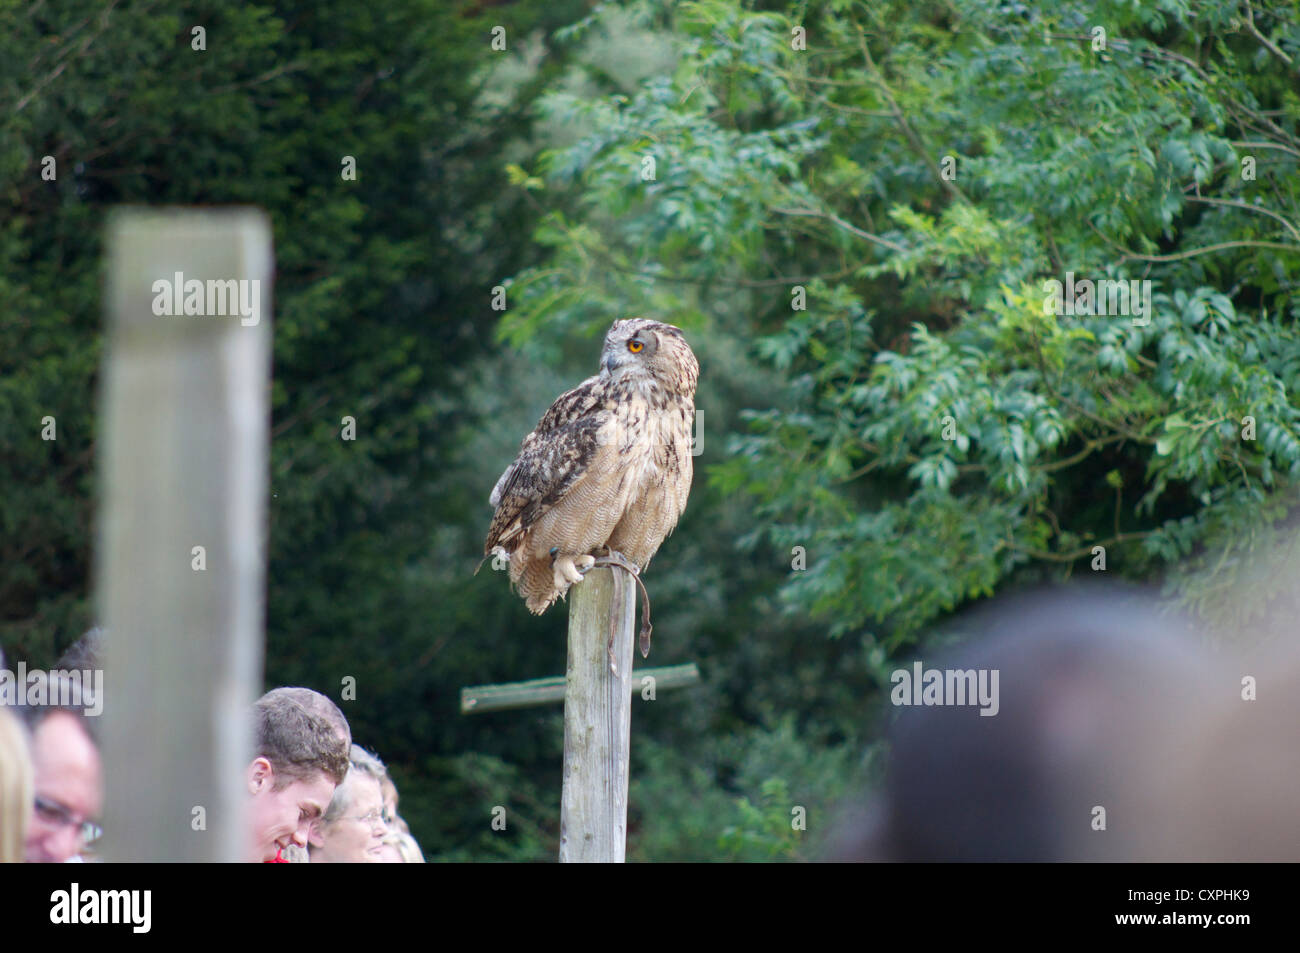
[
  {"x": 766, "y": 831},
  {"x": 761, "y": 793},
  {"x": 941, "y": 430}
]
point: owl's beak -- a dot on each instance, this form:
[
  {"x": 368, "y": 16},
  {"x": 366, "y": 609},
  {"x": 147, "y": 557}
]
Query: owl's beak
[{"x": 610, "y": 364}]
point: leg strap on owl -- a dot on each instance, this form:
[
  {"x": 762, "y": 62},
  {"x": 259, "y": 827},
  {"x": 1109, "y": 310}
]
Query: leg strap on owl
[{"x": 615, "y": 558}]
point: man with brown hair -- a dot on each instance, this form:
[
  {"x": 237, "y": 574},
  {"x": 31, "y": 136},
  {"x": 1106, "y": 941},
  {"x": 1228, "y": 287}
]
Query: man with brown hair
[{"x": 302, "y": 755}]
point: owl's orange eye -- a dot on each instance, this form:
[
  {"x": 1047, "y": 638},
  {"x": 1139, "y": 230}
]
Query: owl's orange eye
[{"x": 634, "y": 346}]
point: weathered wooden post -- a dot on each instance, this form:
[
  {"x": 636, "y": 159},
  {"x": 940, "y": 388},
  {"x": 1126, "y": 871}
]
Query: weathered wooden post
[
  {"x": 597, "y": 719},
  {"x": 180, "y": 562},
  {"x": 480, "y": 699}
]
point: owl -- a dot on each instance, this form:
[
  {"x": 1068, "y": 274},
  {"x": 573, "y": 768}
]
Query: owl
[{"x": 607, "y": 469}]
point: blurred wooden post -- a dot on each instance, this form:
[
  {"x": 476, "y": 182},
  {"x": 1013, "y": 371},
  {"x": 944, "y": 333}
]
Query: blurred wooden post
[
  {"x": 183, "y": 464},
  {"x": 597, "y": 719}
]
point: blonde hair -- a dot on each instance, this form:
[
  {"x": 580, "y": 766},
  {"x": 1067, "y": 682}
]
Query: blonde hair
[
  {"x": 406, "y": 846},
  {"x": 16, "y": 788}
]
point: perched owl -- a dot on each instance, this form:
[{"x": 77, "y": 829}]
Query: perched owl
[{"x": 607, "y": 469}]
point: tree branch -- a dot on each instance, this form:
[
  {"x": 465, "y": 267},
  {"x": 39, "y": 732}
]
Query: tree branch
[
  {"x": 67, "y": 58},
  {"x": 917, "y": 145},
  {"x": 1254, "y": 31},
  {"x": 836, "y": 220},
  {"x": 1085, "y": 551},
  {"x": 1250, "y": 208},
  {"x": 1193, "y": 252}
]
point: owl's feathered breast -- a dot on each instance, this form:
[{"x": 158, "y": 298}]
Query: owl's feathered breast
[
  {"x": 551, "y": 460},
  {"x": 611, "y": 434}
]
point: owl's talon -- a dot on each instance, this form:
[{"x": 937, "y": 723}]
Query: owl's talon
[
  {"x": 565, "y": 571},
  {"x": 613, "y": 557}
]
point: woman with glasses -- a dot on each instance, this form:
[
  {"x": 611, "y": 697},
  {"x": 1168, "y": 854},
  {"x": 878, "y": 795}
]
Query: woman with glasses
[{"x": 353, "y": 828}]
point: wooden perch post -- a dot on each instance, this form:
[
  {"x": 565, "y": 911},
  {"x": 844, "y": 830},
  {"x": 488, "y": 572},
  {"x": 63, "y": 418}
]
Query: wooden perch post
[
  {"x": 180, "y": 562},
  {"x": 480, "y": 699},
  {"x": 597, "y": 719}
]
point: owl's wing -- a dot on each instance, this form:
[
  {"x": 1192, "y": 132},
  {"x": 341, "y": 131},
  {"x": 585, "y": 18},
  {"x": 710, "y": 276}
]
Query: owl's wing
[{"x": 551, "y": 460}]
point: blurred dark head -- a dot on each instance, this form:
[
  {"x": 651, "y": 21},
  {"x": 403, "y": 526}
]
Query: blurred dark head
[{"x": 1093, "y": 685}]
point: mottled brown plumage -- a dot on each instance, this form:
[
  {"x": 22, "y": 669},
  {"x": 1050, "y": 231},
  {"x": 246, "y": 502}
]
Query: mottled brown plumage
[{"x": 608, "y": 465}]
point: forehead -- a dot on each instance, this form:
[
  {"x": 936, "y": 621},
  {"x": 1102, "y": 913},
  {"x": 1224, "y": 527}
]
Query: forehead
[
  {"x": 66, "y": 763},
  {"x": 313, "y": 792},
  {"x": 365, "y": 792},
  {"x": 622, "y": 330}
]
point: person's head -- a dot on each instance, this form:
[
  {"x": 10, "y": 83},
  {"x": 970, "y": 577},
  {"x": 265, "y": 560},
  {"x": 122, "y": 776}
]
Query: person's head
[
  {"x": 68, "y": 784},
  {"x": 399, "y": 847},
  {"x": 353, "y": 829},
  {"x": 1093, "y": 688},
  {"x": 314, "y": 704},
  {"x": 302, "y": 755},
  {"x": 16, "y": 788}
]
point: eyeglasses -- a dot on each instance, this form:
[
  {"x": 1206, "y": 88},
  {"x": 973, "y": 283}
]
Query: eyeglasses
[
  {"x": 56, "y": 815},
  {"x": 373, "y": 818}
]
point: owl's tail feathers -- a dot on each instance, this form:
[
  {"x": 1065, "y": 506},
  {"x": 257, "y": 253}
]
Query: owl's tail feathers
[
  {"x": 536, "y": 583},
  {"x": 539, "y": 604}
]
